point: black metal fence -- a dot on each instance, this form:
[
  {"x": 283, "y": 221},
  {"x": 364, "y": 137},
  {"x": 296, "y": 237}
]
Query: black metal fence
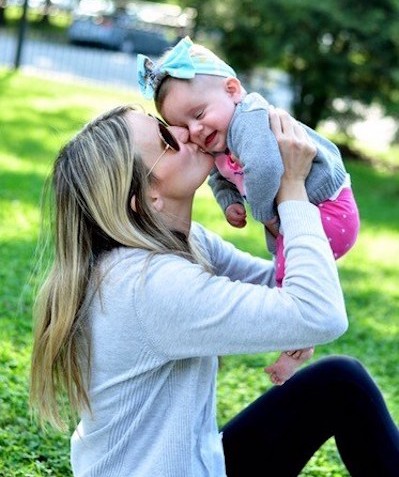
[{"x": 48, "y": 51}]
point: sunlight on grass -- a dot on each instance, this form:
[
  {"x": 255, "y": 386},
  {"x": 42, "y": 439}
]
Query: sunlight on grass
[
  {"x": 383, "y": 329},
  {"x": 19, "y": 219},
  {"x": 11, "y": 163}
]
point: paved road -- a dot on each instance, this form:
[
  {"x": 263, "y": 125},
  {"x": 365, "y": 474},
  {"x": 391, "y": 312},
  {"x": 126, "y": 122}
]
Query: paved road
[{"x": 96, "y": 65}]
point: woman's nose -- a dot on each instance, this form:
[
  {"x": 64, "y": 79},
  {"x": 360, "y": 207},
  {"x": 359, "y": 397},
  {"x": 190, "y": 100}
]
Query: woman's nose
[{"x": 181, "y": 134}]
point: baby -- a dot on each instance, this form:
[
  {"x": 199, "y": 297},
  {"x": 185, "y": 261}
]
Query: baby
[{"x": 194, "y": 88}]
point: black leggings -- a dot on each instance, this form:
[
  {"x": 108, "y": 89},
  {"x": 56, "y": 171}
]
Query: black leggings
[{"x": 335, "y": 397}]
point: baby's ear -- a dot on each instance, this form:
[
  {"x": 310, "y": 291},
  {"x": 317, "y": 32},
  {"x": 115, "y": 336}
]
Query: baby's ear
[{"x": 233, "y": 87}]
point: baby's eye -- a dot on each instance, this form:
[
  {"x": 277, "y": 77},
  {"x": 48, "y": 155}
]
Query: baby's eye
[{"x": 199, "y": 114}]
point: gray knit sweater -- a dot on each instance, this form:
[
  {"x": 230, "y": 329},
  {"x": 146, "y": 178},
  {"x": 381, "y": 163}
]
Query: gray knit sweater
[{"x": 158, "y": 326}]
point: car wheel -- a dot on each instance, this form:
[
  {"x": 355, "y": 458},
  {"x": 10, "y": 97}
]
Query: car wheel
[{"x": 127, "y": 46}]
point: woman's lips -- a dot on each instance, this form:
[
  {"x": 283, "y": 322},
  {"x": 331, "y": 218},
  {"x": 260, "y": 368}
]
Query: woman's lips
[{"x": 210, "y": 138}]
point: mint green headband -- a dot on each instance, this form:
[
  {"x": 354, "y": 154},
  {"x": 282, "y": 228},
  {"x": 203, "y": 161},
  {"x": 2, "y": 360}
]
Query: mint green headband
[{"x": 179, "y": 63}]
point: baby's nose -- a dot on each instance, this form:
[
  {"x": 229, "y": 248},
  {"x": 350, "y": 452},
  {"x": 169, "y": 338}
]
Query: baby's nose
[{"x": 195, "y": 129}]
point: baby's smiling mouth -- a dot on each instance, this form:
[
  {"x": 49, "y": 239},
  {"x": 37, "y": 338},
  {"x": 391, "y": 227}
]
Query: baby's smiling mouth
[{"x": 210, "y": 138}]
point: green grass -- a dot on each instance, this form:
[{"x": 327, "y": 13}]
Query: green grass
[{"x": 36, "y": 117}]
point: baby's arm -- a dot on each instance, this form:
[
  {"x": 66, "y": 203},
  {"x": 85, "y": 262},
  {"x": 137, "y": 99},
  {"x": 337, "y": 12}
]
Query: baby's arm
[
  {"x": 260, "y": 157},
  {"x": 257, "y": 148},
  {"x": 229, "y": 199}
]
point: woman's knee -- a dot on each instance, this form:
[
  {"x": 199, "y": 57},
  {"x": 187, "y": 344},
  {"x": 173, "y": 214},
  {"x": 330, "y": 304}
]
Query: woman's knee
[{"x": 343, "y": 369}]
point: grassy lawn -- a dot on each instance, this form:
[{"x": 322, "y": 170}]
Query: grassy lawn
[{"x": 36, "y": 117}]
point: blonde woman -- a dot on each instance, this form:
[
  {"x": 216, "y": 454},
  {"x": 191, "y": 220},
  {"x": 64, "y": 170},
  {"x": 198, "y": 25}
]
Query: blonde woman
[{"x": 140, "y": 301}]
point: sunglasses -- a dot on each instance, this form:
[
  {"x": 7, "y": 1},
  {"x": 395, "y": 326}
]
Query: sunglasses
[{"x": 167, "y": 138}]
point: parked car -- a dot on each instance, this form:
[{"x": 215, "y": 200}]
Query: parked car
[
  {"x": 139, "y": 27},
  {"x": 117, "y": 32}
]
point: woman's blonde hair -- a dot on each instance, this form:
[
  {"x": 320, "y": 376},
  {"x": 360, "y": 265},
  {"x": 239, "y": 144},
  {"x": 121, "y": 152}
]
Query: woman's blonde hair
[{"x": 94, "y": 179}]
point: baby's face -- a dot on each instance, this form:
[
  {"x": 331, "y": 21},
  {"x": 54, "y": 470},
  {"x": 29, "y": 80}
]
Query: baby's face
[{"x": 205, "y": 106}]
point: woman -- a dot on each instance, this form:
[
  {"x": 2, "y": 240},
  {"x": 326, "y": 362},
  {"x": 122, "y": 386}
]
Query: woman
[{"x": 140, "y": 302}]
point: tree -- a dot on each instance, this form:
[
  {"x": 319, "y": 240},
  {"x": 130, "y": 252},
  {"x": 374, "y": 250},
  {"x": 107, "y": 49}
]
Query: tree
[
  {"x": 3, "y": 20},
  {"x": 45, "y": 20},
  {"x": 331, "y": 49}
]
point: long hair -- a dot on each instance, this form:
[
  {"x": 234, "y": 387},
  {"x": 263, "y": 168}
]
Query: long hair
[{"x": 93, "y": 180}]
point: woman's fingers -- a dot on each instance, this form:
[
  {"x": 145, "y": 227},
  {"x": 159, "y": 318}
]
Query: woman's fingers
[
  {"x": 283, "y": 123},
  {"x": 291, "y": 135},
  {"x": 287, "y": 122},
  {"x": 297, "y": 153},
  {"x": 275, "y": 122}
]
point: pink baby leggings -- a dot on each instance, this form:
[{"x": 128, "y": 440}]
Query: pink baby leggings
[{"x": 340, "y": 219}]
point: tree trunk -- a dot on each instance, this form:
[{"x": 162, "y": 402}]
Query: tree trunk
[
  {"x": 3, "y": 20},
  {"x": 45, "y": 20}
]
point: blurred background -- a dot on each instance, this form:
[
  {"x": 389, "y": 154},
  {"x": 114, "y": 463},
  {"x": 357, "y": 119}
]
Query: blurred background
[{"x": 334, "y": 64}]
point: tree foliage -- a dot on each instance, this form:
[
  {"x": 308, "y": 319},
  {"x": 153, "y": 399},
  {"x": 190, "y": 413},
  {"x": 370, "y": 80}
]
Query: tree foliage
[{"x": 331, "y": 49}]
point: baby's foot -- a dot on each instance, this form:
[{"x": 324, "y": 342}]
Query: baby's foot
[{"x": 286, "y": 365}]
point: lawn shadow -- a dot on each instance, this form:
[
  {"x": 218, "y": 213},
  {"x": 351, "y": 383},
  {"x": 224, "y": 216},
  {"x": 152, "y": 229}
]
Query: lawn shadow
[
  {"x": 37, "y": 136},
  {"x": 20, "y": 187},
  {"x": 18, "y": 281}
]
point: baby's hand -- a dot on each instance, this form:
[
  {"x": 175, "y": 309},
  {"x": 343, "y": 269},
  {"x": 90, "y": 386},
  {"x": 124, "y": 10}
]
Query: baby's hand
[
  {"x": 236, "y": 215},
  {"x": 273, "y": 226}
]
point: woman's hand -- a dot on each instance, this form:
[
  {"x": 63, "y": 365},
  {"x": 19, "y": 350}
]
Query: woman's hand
[{"x": 297, "y": 151}]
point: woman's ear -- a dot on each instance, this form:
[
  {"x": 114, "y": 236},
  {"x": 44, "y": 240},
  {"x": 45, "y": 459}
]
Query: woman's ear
[
  {"x": 155, "y": 198},
  {"x": 157, "y": 203},
  {"x": 133, "y": 203},
  {"x": 233, "y": 87}
]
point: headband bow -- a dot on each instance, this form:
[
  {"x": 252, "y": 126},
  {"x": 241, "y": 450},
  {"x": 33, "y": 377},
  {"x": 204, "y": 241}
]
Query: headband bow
[{"x": 180, "y": 63}]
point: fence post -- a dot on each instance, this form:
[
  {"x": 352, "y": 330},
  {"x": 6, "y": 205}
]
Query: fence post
[{"x": 21, "y": 35}]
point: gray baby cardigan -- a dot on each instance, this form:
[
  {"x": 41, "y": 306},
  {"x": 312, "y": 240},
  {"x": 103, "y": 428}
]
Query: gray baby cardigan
[
  {"x": 250, "y": 139},
  {"x": 157, "y": 325}
]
